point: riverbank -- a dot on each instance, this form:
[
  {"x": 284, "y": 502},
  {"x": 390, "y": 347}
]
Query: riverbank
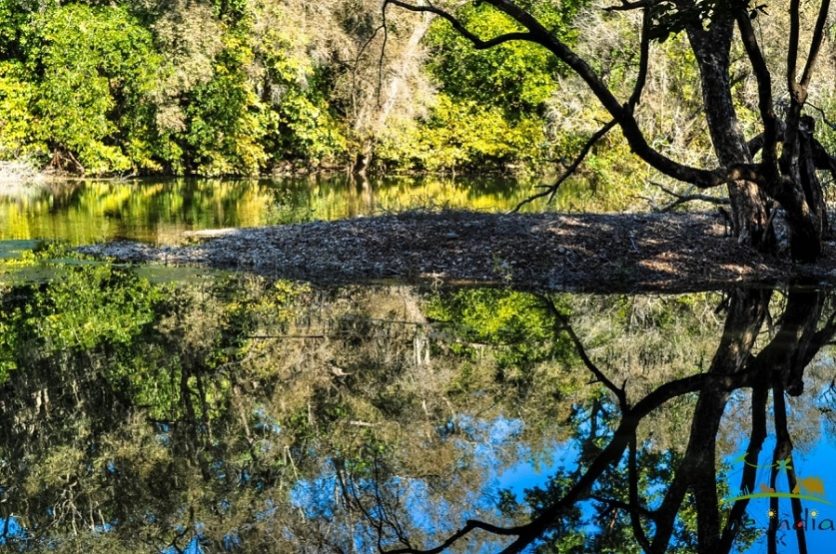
[{"x": 582, "y": 252}]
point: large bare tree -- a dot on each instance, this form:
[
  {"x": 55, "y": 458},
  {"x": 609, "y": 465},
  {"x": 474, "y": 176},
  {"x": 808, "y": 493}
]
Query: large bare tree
[{"x": 776, "y": 167}]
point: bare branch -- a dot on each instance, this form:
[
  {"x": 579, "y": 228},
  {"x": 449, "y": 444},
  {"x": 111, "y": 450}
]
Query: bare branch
[
  {"x": 635, "y": 98},
  {"x": 627, "y": 6},
  {"x": 470, "y": 525},
  {"x": 644, "y": 60},
  {"x": 615, "y": 503},
  {"x": 815, "y": 44},
  {"x": 822, "y": 115},
  {"x": 685, "y": 198},
  {"x": 478, "y": 43},
  {"x": 635, "y": 506},
  {"x": 792, "y": 50},
  {"x": 765, "y": 103},
  {"x": 551, "y": 191},
  {"x": 562, "y": 325},
  {"x": 760, "y": 395}
]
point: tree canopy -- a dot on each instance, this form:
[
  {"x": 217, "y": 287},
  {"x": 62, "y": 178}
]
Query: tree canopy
[{"x": 218, "y": 88}]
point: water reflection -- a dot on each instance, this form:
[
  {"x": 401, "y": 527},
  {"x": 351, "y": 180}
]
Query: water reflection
[
  {"x": 84, "y": 212},
  {"x": 236, "y": 414}
]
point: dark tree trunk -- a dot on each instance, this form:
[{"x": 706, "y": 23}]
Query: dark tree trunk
[
  {"x": 697, "y": 471},
  {"x": 802, "y": 195},
  {"x": 797, "y": 188},
  {"x": 750, "y": 208}
]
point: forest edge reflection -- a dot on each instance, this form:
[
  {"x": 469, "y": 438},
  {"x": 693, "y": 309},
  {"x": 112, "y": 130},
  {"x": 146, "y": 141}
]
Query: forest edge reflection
[{"x": 204, "y": 389}]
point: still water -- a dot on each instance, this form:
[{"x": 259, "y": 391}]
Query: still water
[
  {"x": 84, "y": 212},
  {"x": 148, "y": 409},
  {"x": 233, "y": 413}
]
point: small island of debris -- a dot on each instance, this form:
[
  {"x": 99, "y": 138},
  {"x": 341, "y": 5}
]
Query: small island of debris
[{"x": 552, "y": 252}]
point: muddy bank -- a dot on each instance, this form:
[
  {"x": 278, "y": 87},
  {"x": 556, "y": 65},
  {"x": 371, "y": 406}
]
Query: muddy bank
[{"x": 579, "y": 252}]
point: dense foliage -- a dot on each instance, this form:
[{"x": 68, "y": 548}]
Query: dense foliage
[
  {"x": 211, "y": 87},
  {"x": 255, "y": 86}
]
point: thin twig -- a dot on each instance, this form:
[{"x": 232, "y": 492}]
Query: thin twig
[
  {"x": 685, "y": 198},
  {"x": 550, "y": 191}
]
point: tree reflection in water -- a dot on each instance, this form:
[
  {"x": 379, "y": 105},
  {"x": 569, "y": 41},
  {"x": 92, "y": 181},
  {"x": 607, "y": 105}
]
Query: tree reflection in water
[{"x": 237, "y": 414}]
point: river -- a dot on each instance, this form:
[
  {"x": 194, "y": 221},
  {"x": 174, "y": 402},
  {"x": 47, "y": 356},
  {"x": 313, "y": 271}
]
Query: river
[
  {"x": 83, "y": 212},
  {"x": 145, "y": 410}
]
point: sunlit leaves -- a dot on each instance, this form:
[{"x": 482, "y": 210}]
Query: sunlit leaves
[
  {"x": 516, "y": 76},
  {"x": 95, "y": 67},
  {"x": 16, "y": 120},
  {"x": 93, "y": 306},
  {"x": 460, "y": 132}
]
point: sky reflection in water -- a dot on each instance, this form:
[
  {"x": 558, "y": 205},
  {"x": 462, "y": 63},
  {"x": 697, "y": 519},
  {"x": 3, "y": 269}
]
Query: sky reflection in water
[{"x": 230, "y": 413}]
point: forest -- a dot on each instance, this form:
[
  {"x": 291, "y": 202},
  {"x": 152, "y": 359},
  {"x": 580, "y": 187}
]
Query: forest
[{"x": 245, "y": 87}]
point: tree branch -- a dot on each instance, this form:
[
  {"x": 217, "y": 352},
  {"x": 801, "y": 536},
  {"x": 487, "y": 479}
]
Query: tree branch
[
  {"x": 551, "y": 190},
  {"x": 562, "y": 325},
  {"x": 615, "y": 449},
  {"x": 627, "y": 5},
  {"x": 635, "y": 507},
  {"x": 644, "y": 60},
  {"x": 760, "y": 395},
  {"x": 815, "y": 44},
  {"x": 822, "y": 115},
  {"x": 765, "y": 104},
  {"x": 782, "y": 459},
  {"x": 478, "y": 43},
  {"x": 634, "y": 100},
  {"x": 621, "y": 505},
  {"x": 621, "y": 113},
  {"x": 470, "y": 525},
  {"x": 792, "y": 50},
  {"x": 685, "y": 198}
]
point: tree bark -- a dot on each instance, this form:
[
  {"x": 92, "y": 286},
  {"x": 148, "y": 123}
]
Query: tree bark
[
  {"x": 697, "y": 471},
  {"x": 750, "y": 209},
  {"x": 808, "y": 215}
]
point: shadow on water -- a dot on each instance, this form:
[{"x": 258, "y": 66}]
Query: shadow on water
[{"x": 233, "y": 413}]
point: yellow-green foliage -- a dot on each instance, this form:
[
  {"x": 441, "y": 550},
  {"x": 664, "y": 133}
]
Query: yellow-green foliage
[
  {"x": 244, "y": 87},
  {"x": 458, "y": 133},
  {"x": 97, "y": 66},
  {"x": 16, "y": 94},
  {"x": 298, "y": 117},
  {"x": 609, "y": 179},
  {"x": 516, "y": 76},
  {"x": 224, "y": 118}
]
